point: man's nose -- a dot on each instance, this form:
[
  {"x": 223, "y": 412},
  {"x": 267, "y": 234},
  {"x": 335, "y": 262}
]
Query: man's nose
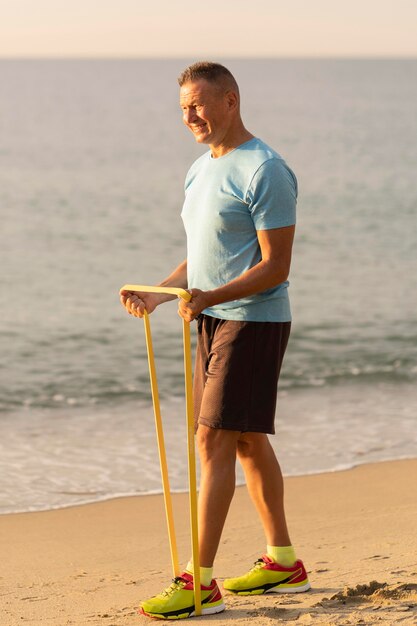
[{"x": 190, "y": 116}]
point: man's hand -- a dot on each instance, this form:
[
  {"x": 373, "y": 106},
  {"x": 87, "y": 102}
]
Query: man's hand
[
  {"x": 135, "y": 302},
  {"x": 200, "y": 300}
]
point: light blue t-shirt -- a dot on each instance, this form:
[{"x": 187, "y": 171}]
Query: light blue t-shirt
[{"x": 226, "y": 201}]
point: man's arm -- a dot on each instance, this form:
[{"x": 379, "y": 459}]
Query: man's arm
[
  {"x": 136, "y": 302},
  {"x": 272, "y": 269}
]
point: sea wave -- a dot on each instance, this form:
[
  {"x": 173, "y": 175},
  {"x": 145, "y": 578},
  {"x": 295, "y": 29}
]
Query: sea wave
[
  {"x": 106, "y": 377},
  {"x": 53, "y": 458}
]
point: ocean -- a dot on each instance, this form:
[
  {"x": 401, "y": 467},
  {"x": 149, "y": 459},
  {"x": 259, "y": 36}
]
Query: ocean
[{"x": 93, "y": 155}]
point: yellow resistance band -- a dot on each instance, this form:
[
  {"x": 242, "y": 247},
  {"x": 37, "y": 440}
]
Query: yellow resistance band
[{"x": 192, "y": 480}]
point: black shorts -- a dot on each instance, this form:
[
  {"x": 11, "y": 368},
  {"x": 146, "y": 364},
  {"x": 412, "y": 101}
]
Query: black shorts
[{"x": 236, "y": 373}]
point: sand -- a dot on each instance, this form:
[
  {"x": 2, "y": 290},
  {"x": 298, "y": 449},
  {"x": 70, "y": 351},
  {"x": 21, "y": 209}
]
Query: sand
[{"x": 91, "y": 564}]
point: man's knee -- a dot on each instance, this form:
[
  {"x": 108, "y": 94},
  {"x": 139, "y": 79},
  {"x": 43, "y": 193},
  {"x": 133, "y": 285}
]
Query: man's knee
[
  {"x": 250, "y": 445},
  {"x": 216, "y": 443}
]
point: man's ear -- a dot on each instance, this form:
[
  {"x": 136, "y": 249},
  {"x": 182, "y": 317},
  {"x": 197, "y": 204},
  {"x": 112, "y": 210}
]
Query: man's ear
[{"x": 232, "y": 99}]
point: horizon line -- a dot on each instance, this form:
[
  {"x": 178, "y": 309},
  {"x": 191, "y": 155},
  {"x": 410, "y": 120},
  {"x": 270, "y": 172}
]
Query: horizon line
[{"x": 138, "y": 57}]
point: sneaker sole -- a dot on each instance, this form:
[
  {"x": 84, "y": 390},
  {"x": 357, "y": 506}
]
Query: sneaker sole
[
  {"x": 299, "y": 589},
  {"x": 211, "y": 610},
  {"x": 206, "y": 611},
  {"x": 277, "y": 589}
]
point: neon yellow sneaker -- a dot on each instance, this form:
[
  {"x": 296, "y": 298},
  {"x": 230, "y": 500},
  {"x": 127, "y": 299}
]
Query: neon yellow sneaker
[
  {"x": 266, "y": 576},
  {"x": 177, "y": 600}
]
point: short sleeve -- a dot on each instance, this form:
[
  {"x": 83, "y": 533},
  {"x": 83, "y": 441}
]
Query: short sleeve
[{"x": 272, "y": 195}]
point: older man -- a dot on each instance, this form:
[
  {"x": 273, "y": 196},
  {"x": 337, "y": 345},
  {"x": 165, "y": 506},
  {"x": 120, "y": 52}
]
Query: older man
[{"x": 239, "y": 217}]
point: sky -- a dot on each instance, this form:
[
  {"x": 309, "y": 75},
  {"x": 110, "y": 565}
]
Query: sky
[{"x": 208, "y": 28}]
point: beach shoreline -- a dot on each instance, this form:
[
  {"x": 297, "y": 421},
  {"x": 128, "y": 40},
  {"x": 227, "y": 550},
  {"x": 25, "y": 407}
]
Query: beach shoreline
[
  {"x": 46, "y": 461},
  {"x": 93, "y": 563}
]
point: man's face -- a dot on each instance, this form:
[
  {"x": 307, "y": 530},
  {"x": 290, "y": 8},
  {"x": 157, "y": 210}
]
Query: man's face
[{"x": 205, "y": 111}]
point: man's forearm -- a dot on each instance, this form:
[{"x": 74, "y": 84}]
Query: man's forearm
[
  {"x": 262, "y": 276},
  {"x": 178, "y": 278},
  {"x": 272, "y": 270}
]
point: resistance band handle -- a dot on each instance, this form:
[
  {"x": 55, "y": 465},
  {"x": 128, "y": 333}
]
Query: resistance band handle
[{"x": 175, "y": 291}]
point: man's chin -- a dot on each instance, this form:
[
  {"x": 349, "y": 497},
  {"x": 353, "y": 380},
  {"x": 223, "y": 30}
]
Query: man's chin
[{"x": 202, "y": 139}]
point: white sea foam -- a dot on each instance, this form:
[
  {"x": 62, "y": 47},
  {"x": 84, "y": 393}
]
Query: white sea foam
[{"x": 51, "y": 459}]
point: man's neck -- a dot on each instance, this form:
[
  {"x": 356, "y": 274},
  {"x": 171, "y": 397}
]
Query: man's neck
[{"x": 232, "y": 141}]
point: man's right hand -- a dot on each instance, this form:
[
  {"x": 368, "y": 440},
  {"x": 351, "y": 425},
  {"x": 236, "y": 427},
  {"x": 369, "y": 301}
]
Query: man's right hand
[{"x": 135, "y": 302}]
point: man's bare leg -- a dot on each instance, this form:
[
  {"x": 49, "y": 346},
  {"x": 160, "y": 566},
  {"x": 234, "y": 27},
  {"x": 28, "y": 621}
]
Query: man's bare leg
[
  {"x": 217, "y": 451},
  {"x": 279, "y": 570},
  {"x": 265, "y": 485}
]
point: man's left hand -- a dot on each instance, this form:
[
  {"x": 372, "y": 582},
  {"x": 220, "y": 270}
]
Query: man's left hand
[{"x": 199, "y": 301}]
